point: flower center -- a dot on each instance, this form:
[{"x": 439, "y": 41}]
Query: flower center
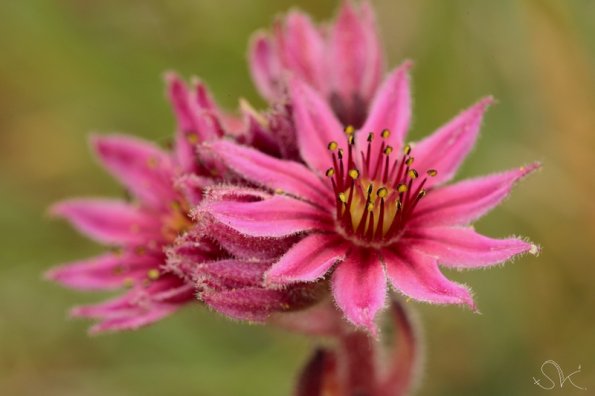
[{"x": 375, "y": 199}]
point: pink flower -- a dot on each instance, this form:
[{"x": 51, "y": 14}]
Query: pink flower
[
  {"x": 344, "y": 61},
  {"x": 164, "y": 186},
  {"x": 371, "y": 208}
]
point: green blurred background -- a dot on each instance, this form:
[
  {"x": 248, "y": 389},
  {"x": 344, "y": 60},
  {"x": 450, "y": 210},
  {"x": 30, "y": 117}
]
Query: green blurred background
[{"x": 68, "y": 67}]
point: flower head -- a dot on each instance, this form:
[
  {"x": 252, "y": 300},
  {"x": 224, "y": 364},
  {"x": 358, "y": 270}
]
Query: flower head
[
  {"x": 370, "y": 207},
  {"x": 343, "y": 61},
  {"x": 164, "y": 187}
]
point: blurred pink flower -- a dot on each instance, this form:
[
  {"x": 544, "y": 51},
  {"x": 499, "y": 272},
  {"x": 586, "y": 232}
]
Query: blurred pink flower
[
  {"x": 342, "y": 61},
  {"x": 368, "y": 213},
  {"x": 164, "y": 186}
]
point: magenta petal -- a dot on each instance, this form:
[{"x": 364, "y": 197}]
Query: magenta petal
[
  {"x": 390, "y": 109},
  {"x": 418, "y": 276},
  {"x": 287, "y": 176},
  {"x": 308, "y": 259},
  {"x": 464, "y": 248},
  {"x": 253, "y": 304},
  {"x": 264, "y": 66},
  {"x": 230, "y": 274},
  {"x": 355, "y": 47},
  {"x": 109, "y": 271},
  {"x": 316, "y": 126},
  {"x": 463, "y": 202},
  {"x": 278, "y": 216},
  {"x": 302, "y": 49},
  {"x": 446, "y": 148},
  {"x": 109, "y": 221},
  {"x": 359, "y": 288},
  {"x": 141, "y": 166},
  {"x": 192, "y": 187}
]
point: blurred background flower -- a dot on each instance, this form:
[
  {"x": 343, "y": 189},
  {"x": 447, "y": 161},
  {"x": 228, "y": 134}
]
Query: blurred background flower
[{"x": 69, "y": 67}]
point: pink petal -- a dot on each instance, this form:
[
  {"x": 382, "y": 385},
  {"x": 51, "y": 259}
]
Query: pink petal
[
  {"x": 192, "y": 187},
  {"x": 287, "y": 176},
  {"x": 302, "y": 49},
  {"x": 109, "y": 221},
  {"x": 308, "y": 259},
  {"x": 391, "y": 109},
  {"x": 463, "y": 202},
  {"x": 230, "y": 274},
  {"x": 355, "y": 51},
  {"x": 141, "y": 166},
  {"x": 417, "y": 276},
  {"x": 316, "y": 126},
  {"x": 446, "y": 148},
  {"x": 109, "y": 271},
  {"x": 464, "y": 248},
  {"x": 278, "y": 216},
  {"x": 359, "y": 288},
  {"x": 264, "y": 66}
]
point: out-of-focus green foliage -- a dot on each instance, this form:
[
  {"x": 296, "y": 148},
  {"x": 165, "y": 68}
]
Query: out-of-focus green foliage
[{"x": 68, "y": 67}]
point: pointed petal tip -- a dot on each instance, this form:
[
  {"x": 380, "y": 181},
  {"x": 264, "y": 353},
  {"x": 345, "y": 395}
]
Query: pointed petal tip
[{"x": 535, "y": 250}]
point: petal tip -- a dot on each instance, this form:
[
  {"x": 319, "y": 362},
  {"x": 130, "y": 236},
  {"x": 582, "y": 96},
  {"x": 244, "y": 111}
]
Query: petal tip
[{"x": 535, "y": 250}]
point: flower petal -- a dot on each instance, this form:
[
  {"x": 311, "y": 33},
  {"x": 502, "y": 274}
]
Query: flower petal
[
  {"x": 141, "y": 166},
  {"x": 463, "y": 202},
  {"x": 278, "y": 216},
  {"x": 307, "y": 260},
  {"x": 109, "y": 221},
  {"x": 355, "y": 47},
  {"x": 446, "y": 148},
  {"x": 230, "y": 274},
  {"x": 417, "y": 276},
  {"x": 109, "y": 271},
  {"x": 390, "y": 109},
  {"x": 287, "y": 176},
  {"x": 316, "y": 125},
  {"x": 359, "y": 288},
  {"x": 302, "y": 49},
  {"x": 464, "y": 248},
  {"x": 264, "y": 66}
]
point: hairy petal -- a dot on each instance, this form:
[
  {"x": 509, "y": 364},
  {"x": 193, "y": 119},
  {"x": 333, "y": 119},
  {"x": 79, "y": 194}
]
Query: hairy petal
[
  {"x": 230, "y": 274},
  {"x": 109, "y": 271},
  {"x": 301, "y": 49},
  {"x": 418, "y": 276},
  {"x": 264, "y": 66},
  {"x": 390, "y": 109},
  {"x": 278, "y": 216},
  {"x": 307, "y": 260},
  {"x": 359, "y": 288},
  {"x": 316, "y": 125},
  {"x": 287, "y": 176},
  {"x": 354, "y": 46},
  {"x": 463, "y": 202},
  {"x": 141, "y": 166},
  {"x": 446, "y": 148},
  {"x": 109, "y": 221}
]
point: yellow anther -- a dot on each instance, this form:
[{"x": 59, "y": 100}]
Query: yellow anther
[
  {"x": 330, "y": 172},
  {"x": 370, "y": 136},
  {"x": 382, "y": 192},
  {"x": 354, "y": 173},
  {"x": 388, "y": 150},
  {"x": 279, "y": 191},
  {"x": 370, "y": 206},
  {"x": 422, "y": 193},
  {"x": 407, "y": 149},
  {"x": 342, "y": 197},
  {"x": 432, "y": 172},
  {"x": 402, "y": 188},
  {"x": 412, "y": 173},
  {"x": 385, "y": 133},
  {"x": 351, "y": 140},
  {"x": 332, "y": 146},
  {"x": 409, "y": 161},
  {"x": 192, "y": 138},
  {"x": 349, "y": 129},
  {"x": 340, "y": 153},
  {"x": 152, "y": 162},
  {"x": 153, "y": 274}
]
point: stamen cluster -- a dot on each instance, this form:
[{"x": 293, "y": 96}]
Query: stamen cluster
[{"x": 375, "y": 199}]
